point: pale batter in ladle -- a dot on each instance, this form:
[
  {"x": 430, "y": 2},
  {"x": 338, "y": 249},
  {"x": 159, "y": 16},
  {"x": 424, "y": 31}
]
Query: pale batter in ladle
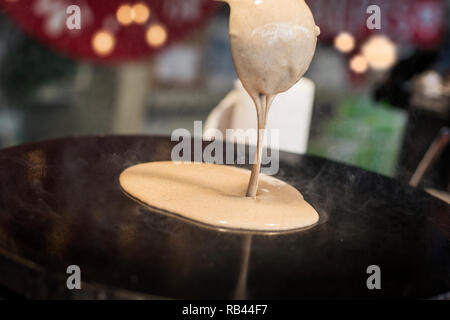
[{"x": 272, "y": 43}]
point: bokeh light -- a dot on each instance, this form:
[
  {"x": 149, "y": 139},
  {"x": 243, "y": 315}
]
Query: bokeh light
[
  {"x": 359, "y": 64},
  {"x": 156, "y": 35},
  {"x": 380, "y": 52},
  {"x": 141, "y": 13},
  {"x": 125, "y": 15},
  {"x": 344, "y": 42},
  {"x": 103, "y": 42}
]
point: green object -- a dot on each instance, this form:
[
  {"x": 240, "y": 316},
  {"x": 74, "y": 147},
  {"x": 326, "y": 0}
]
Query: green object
[
  {"x": 27, "y": 67},
  {"x": 362, "y": 133}
]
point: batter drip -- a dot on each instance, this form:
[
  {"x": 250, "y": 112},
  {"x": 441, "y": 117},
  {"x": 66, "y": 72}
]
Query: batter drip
[{"x": 272, "y": 44}]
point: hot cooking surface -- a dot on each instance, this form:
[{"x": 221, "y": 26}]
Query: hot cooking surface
[{"x": 61, "y": 204}]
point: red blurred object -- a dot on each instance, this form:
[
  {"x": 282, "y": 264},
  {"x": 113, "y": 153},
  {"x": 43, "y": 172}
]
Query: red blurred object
[
  {"x": 427, "y": 21},
  {"x": 46, "y": 21},
  {"x": 420, "y": 23}
]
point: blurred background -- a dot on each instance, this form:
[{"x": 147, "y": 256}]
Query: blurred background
[{"x": 149, "y": 67}]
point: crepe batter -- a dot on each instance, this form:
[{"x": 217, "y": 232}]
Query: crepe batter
[
  {"x": 272, "y": 43},
  {"x": 214, "y": 195}
]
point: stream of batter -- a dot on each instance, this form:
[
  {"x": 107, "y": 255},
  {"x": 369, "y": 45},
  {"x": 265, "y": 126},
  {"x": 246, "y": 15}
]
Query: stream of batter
[{"x": 272, "y": 44}]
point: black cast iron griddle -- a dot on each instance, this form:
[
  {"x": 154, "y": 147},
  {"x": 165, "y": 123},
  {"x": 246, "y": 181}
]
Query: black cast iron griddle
[{"x": 61, "y": 204}]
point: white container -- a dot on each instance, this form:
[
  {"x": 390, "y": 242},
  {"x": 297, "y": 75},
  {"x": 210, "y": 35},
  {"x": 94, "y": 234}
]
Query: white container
[{"x": 290, "y": 113}]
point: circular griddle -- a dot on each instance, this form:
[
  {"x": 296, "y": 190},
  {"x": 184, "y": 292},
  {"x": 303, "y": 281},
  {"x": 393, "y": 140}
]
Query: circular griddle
[{"x": 61, "y": 204}]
